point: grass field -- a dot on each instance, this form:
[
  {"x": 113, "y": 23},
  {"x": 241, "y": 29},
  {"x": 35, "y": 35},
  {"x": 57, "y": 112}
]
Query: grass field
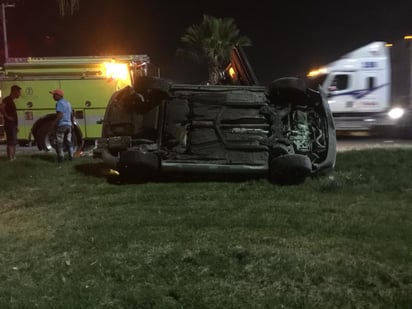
[{"x": 70, "y": 239}]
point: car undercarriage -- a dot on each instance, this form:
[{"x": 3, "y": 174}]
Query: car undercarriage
[{"x": 284, "y": 131}]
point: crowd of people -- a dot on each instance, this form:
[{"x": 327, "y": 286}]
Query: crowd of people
[{"x": 62, "y": 124}]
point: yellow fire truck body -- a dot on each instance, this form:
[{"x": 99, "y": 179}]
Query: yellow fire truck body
[{"x": 87, "y": 82}]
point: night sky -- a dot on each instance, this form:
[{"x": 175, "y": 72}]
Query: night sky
[{"x": 288, "y": 37}]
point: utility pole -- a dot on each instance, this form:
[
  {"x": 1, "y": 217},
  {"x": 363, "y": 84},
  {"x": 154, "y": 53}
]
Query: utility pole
[{"x": 3, "y": 17}]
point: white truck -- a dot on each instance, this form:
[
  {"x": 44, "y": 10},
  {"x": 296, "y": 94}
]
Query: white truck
[{"x": 370, "y": 89}]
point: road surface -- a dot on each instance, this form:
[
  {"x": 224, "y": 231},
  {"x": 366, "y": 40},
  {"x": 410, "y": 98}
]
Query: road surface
[{"x": 358, "y": 143}]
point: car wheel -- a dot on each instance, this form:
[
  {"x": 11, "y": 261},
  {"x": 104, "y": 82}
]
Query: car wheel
[
  {"x": 46, "y": 138},
  {"x": 138, "y": 166},
  {"x": 287, "y": 90},
  {"x": 289, "y": 169}
]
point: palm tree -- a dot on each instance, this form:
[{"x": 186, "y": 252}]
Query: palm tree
[
  {"x": 68, "y": 7},
  {"x": 212, "y": 41}
]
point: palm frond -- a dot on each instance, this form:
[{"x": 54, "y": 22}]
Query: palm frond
[
  {"x": 211, "y": 41},
  {"x": 214, "y": 38}
]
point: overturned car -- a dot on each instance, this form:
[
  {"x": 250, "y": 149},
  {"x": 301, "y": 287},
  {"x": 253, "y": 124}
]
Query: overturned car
[{"x": 284, "y": 131}]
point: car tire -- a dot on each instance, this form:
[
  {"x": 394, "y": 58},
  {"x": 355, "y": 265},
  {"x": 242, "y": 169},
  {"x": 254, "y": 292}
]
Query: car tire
[
  {"x": 46, "y": 139},
  {"x": 138, "y": 166},
  {"x": 289, "y": 169},
  {"x": 287, "y": 90}
]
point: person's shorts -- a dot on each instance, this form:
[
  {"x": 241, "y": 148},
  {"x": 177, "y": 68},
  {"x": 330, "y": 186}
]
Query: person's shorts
[{"x": 11, "y": 133}]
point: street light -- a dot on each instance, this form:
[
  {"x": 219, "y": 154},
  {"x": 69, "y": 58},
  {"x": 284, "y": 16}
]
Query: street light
[{"x": 3, "y": 17}]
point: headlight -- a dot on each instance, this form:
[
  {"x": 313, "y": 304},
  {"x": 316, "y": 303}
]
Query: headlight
[{"x": 396, "y": 113}]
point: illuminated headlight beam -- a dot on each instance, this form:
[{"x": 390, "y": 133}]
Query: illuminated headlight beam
[{"x": 396, "y": 113}]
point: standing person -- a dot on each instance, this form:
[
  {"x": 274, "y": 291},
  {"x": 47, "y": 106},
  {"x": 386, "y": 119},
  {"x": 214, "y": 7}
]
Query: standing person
[
  {"x": 8, "y": 109},
  {"x": 63, "y": 125}
]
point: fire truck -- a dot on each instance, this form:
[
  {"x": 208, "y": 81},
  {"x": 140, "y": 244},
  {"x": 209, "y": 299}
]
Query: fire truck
[{"x": 87, "y": 82}]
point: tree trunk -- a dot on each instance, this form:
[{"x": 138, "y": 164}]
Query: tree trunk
[
  {"x": 214, "y": 75},
  {"x": 68, "y": 7}
]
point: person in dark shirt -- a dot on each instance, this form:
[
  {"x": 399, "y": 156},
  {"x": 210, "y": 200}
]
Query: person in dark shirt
[{"x": 8, "y": 109}]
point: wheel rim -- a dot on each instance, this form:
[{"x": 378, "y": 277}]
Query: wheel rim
[{"x": 50, "y": 142}]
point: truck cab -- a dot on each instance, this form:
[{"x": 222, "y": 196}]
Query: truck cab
[{"x": 362, "y": 87}]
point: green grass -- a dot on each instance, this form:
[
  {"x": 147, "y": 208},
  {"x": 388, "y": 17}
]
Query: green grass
[{"x": 70, "y": 239}]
